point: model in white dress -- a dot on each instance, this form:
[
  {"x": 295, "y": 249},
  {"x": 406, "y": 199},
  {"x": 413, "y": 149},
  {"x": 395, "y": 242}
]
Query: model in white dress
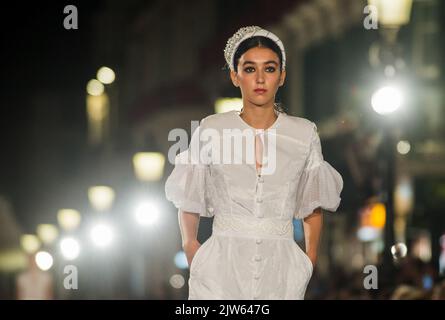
[{"x": 251, "y": 253}]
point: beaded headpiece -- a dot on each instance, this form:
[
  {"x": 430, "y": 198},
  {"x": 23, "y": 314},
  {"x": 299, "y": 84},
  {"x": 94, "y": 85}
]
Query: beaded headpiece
[{"x": 249, "y": 32}]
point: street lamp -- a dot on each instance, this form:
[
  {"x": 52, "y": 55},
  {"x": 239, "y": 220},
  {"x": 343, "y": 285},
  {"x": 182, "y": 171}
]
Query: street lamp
[
  {"x": 102, "y": 235},
  {"x": 44, "y": 260},
  {"x": 106, "y": 75},
  {"x": 149, "y": 166},
  {"x": 95, "y": 87},
  {"x": 47, "y": 233},
  {"x": 228, "y": 104},
  {"x": 101, "y": 197},
  {"x": 386, "y": 100},
  {"x": 69, "y": 219},
  {"x": 392, "y": 13},
  {"x": 30, "y": 243},
  {"x": 147, "y": 214},
  {"x": 391, "y": 16},
  {"x": 98, "y": 105},
  {"x": 70, "y": 248}
]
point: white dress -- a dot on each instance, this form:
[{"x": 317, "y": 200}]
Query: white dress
[{"x": 251, "y": 253}]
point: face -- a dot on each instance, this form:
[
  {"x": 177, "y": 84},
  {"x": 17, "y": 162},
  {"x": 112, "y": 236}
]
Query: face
[{"x": 258, "y": 68}]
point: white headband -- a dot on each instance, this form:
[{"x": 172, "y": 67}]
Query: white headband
[{"x": 249, "y": 32}]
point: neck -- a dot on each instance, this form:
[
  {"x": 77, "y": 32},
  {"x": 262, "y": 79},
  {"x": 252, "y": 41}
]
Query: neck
[{"x": 259, "y": 117}]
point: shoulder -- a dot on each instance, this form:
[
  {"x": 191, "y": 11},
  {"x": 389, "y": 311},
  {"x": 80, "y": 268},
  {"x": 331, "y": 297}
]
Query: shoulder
[
  {"x": 217, "y": 120},
  {"x": 302, "y": 123},
  {"x": 300, "y": 127}
]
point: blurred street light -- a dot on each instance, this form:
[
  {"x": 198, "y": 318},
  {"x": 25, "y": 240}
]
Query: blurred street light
[
  {"x": 149, "y": 166},
  {"x": 392, "y": 13},
  {"x": 372, "y": 222},
  {"x": 177, "y": 281},
  {"x": 391, "y": 16},
  {"x": 388, "y": 155},
  {"x": 70, "y": 248},
  {"x": 147, "y": 214},
  {"x": 181, "y": 260},
  {"x": 399, "y": 250},
  {"x": 106, "y": 75},
  {"x": 102, "y": 235},
  {"x": 98, "y": 112},
  {"x": 44, "y": 260},
  {"x": 377, "y": 217},
  {"x": 69, "y": 219},
  {"x": 228, "y": 104},
  {"x": 30, "y": 243},
  {"x": 403, "y": 147},
  {"x": 367, "y": 234},
  {"x": 149, "y": 169},
  {"x": 386, "y": 100},
  {"x": 95, "y": 87},
  {"x": 101, "y": 197},
  {"x": 47, "y": 233},
  {"x": 97, "y": 107}
]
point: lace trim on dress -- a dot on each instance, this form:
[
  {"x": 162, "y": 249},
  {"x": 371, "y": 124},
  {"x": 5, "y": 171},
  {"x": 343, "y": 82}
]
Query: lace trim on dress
[{"x": 252, "y": 227}]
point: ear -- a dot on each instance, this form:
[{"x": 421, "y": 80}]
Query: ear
[
  {"x": 282, "y": 77},
  {"x": 233, "y": 76}
]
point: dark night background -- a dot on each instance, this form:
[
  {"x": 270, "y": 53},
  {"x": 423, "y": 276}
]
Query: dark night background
[{"x": 168, "y": 59}]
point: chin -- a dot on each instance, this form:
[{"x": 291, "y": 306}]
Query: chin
[{"x": 260, "y": 102}]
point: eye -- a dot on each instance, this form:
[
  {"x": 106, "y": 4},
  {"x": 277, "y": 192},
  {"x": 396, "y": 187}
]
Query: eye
[
  {"x": 249, "y": 69},
  {"x": 271, "y": 69}
]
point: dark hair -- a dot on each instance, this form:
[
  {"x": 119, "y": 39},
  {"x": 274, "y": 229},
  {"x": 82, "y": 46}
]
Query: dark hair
[{"x": 259, "y": 41}]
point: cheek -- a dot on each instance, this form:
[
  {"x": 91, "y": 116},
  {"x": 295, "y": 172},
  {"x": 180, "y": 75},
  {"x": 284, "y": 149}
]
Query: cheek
[
  {"x": 276, "y": 84},
  {"x": 247, "y": 82},
  {"x": 274, "y": 80}
]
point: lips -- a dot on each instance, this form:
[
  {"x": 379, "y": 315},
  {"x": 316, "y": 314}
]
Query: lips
[{"x": 260, "y": 90}]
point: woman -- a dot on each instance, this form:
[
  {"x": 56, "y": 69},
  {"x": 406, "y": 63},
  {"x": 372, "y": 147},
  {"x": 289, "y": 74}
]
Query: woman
[{"x": 251, "y": 253}]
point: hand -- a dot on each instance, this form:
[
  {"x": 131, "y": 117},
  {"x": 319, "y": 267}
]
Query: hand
[{"x": 190, "y": 249}]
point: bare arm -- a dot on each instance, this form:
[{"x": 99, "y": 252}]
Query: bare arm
[
  {"x": 188, "y": 224},
  {"x": 312, "y": 230}
]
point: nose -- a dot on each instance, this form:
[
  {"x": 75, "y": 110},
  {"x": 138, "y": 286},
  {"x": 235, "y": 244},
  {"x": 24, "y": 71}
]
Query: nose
[{"x": 260, "y": 77}]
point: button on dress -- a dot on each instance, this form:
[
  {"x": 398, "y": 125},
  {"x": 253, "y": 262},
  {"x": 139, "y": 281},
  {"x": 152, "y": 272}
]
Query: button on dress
[{"x": 251, "y": 253}]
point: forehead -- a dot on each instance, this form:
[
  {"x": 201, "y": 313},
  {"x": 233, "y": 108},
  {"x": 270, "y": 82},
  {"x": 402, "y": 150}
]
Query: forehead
[{"x": 259, "y": 54}]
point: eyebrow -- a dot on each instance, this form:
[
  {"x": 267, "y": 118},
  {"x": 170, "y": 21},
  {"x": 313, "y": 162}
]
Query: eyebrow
[{"x": 267, "y": 62}]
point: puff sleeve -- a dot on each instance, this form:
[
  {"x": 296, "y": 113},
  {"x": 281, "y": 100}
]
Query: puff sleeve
[
  {"x": 185, "y": 187},
  {"x": 320, "y": 185}
]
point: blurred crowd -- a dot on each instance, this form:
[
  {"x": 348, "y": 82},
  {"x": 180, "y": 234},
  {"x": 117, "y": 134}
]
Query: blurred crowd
[{"x": 412, "y": 279}]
